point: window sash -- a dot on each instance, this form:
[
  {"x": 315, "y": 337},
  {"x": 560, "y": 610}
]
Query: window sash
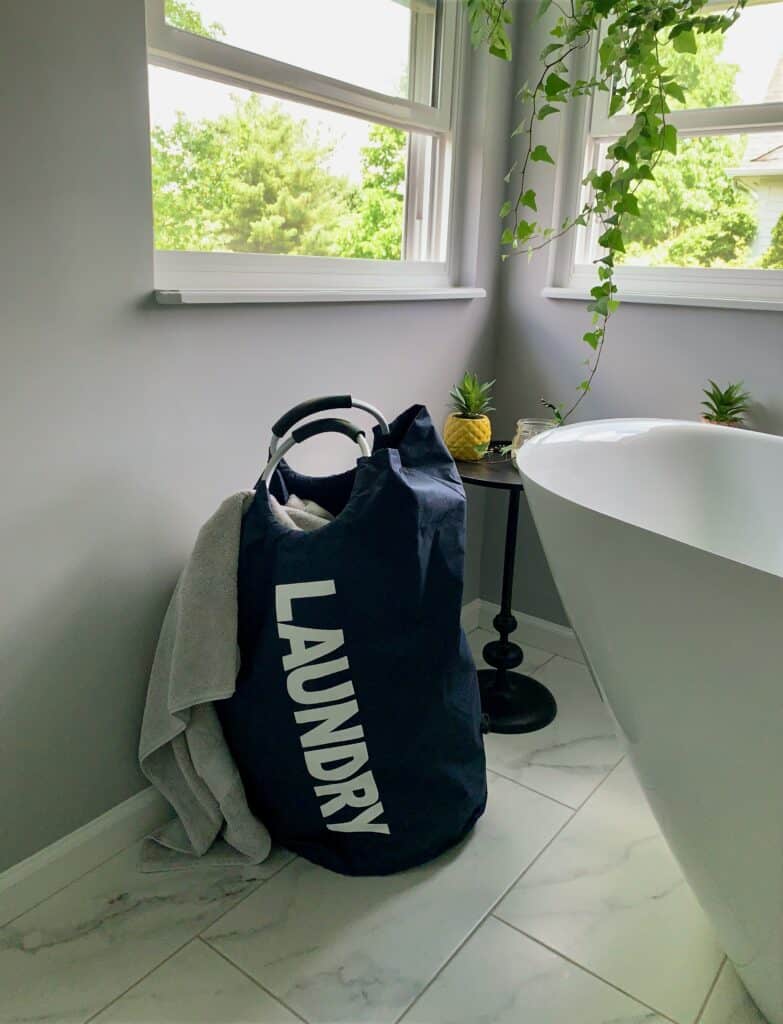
[
  {"x": 695, "y": 121},
  {"x": 571, "y": 276},
  {"x": 177, "y": 50},
  {"x": 704, "y": 121},
  {"x": 430, "y": 234}
]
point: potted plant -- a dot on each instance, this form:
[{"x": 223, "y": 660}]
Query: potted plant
[
  {"x": 468, "y": 431},
  {"x": 725, "y": 405},
  {"x": 630, "y": 39}
]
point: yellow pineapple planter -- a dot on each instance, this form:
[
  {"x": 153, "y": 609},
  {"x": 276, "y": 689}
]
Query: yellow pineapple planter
[{"x": 467, "y": 430}]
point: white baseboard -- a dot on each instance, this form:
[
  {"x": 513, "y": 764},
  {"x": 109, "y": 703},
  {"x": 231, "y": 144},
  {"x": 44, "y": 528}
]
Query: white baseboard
[
  {"x": 471, "y": 613},
  {"x": 548, "y": 636},
  {"x": 34, "y": 879}
]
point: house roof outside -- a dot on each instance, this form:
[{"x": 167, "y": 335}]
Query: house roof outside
[{"x": 764, "y": 155}]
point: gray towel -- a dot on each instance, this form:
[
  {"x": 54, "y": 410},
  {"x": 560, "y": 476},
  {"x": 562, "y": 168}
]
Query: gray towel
[{"x": 182, "y": 750}]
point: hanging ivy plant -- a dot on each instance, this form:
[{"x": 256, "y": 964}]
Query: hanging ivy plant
[{"x": 630, "y": 36}]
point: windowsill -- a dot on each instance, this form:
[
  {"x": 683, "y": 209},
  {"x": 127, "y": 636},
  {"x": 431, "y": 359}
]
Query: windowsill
[
  {"x": 664, "y": 299},
  {"x": 253, "y": 296},
  {"x": 717, "y": 288}
]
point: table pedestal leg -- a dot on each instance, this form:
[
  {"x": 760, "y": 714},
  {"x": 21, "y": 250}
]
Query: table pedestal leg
[{"x": 511, "y": 701}]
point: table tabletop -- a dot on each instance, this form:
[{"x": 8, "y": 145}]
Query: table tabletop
[{"x": 499, "y": 473}]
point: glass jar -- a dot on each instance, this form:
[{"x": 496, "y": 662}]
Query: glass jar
[{"x": 525, "y": 430}]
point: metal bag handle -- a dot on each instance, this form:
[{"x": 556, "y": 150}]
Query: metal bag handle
[
  {"x": 308, "y": 430},
  {"x": 313, "y": 405}
]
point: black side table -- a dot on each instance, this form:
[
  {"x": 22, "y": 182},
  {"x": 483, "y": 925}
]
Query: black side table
[{"x": 513, "y": 702}]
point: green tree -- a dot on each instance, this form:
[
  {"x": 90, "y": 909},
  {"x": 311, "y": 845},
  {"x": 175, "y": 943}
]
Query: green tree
[
  {"x": 773, "y": 257},
  {"x": 257, "y": 180},
  {"x": 183, "y": 15},
  {"x": 254, "y": 180},
  {"x": 693, "y": 214},
  {"x": 378, "y": 203}
]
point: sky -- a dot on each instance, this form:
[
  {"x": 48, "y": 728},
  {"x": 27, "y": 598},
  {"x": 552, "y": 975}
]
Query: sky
[
  {"x": 755, "y": 42},
  {"x": 339, "y": 39}
]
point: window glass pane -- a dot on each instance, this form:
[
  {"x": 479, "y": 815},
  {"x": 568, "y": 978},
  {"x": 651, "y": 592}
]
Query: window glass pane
[
  {"x": 743, "y": 66},
  {"x": 235, "y": 171},
  {"x": 383, "y": 45},
  {"x": 717, "y": 203}
]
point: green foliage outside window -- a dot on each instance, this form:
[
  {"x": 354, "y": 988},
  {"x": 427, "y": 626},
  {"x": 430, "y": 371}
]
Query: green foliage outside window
[
  {"x": 773, "y": 257},
  {"x": 249, "y": 181},
  {"x": 181, "y": 14},
  {"x": 375, "y": 231},
  {"x": 693, "y": 214},
  {"x": 257, "y": 179}
]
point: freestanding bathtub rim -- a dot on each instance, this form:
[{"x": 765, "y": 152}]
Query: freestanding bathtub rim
[{"x": 593, "y": 432}]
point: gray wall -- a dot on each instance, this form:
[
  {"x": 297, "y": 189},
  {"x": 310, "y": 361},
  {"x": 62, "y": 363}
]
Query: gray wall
[
  {"x": 656, "y": 360},
  {"x": 124, "y": 424}
]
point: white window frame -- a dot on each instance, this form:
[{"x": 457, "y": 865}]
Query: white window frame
[
  {"x": 429, "y": 221},
  {"x": 587, "y": 125}
]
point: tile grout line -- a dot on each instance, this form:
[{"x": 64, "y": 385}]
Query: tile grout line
[
  {"x": 586, "y": 970},
  {"x": 252, "y": 892},
  {"x": 192, "y": 938},
  {"x": 710, "y": 990},
  {"x": 73, "y": 881},
  {"x": 463, "y": 942},
  {"x": 523, "y": 785},
  {"x": 208, "y": 945},
  {"x": 595, "y": 788},
  {"x": 491, "y": 911},
  {"x": 138, "y": 981},
  {"x": 703, "y": 1006}
]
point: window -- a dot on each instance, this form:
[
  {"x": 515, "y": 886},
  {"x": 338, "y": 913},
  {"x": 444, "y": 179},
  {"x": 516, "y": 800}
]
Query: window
[
  {"x": 302, "y": 151},
  {"x": 711, "y": 230}
]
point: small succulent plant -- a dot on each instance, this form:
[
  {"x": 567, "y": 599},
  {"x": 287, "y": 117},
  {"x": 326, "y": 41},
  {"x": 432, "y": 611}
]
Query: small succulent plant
[
  {"x": 726, "y": 405},
  {"x": 467, "y": 431},
  {"x": 471, "y": 398}
]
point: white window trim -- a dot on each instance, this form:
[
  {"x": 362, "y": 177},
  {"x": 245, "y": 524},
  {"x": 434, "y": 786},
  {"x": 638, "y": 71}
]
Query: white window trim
[
  {"x": 430, "y": 220},
  {"x": 571, "y": 277}
]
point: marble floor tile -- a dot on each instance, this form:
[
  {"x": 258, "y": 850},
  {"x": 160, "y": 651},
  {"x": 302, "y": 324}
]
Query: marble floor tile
[
  {"x": 501, "y": 977},
  {"x": 196, "y": 986},
  {"x": 534, "y": 657},
  {"x": 729, "y": 1003},
  {"x": 608, "y": 894},
  {"x": 68, "y": 957},
  {"x": 339, "y": 949},
  {"x": 571, "y": 756}
]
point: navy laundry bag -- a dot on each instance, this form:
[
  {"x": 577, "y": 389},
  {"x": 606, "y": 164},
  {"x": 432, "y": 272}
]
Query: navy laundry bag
[{"x": 356, "y": 721}]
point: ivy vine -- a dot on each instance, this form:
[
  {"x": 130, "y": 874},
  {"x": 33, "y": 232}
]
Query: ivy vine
[{"x": 631, "y": 37}]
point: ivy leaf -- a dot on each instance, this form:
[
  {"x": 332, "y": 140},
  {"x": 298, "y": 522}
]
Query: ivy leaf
[
  {"x": 507, "y": 237},
  {"x": 541, "y": 155},
  {"x": 669, "y": 139},
  {"x": 616, "y": 103},
  {"x": 612, "y": 239},
  {"x": 555, "y": 85},
  {"x": 543, "y": 7},
  {"x": 529, "y": 200},
  {"x": 505, "y": 210},
  {"x": 629, "y": 204},
  {"x": 501, "y": 46},
  {"x": 684, "y": 42},
  {"x": 675, "y": 91},
  {"x": 525, "y": 229},
  {"x": 592, "y": 338},
  {"x": 545, "y": 111}
]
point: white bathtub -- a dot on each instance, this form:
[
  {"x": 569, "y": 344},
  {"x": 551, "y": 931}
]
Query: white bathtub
[{"x": 666, "y": 543}]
